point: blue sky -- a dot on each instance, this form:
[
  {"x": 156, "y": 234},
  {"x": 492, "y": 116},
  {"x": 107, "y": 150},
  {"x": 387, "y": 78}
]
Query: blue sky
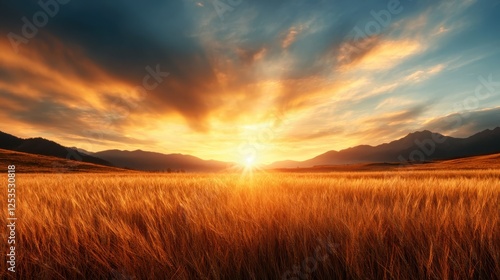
[{"x": 274, "y": 79}]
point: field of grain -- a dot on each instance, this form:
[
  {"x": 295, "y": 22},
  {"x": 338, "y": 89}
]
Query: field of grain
[{"x": 349, "y": 225}]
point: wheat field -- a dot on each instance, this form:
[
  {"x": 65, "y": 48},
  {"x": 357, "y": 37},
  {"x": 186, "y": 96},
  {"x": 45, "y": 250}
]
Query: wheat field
[{"x": 348, "y": 225}]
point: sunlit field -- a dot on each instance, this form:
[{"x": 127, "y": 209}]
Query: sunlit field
[{"x": 350, "y": 225}]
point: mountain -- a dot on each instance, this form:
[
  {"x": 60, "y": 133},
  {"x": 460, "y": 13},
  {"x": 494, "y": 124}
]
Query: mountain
[
  {"x": 419, "y": 146},
  {"x": 41, "y": 146},
  {"x": 415, "y": 147},
  {"x": 138, "y": 160},
  {"x": 8, "y": 141},
  {"x": 82, "y": 151},
  {"x": 491, "y": 161},
  {"x": 31, "y": 163},
  {"x": 150, "y": 161}
]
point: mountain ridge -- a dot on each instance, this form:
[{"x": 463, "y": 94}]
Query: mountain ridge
[
  {"x": 45, "y": 147},
  {"x": 154, "y": 161},
  {"x": 417, "y": 146}
]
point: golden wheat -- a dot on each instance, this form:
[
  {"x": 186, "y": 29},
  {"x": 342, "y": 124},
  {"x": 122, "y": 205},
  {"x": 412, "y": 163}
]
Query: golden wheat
[{"x": 353, "y": 225}]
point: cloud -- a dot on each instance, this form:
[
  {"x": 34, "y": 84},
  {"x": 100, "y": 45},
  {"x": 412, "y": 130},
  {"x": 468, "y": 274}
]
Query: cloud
[
  {"x": 399, "y": 117},
  {"x": 389, "y": 53},
  {"x": 421, "y": 75},
  {"x": 208, "y": 61},
  {"x": 81, "y": 70},
  {"x": 466, "y": 123},
  {"x": 352, "y": 52},
  {"x": 328, "y": 132},
  {"x": 291, "y": 36}
]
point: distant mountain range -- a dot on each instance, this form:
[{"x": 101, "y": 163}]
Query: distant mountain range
[
  {"x": 32, "y": 163},
  {"x": 150, "y": 161},
  {"x": 418, "y": 146},
  {"x": 415, "y": 147},
  {"x": 41, "y": 146},
  {"x": 137, "y": 160}
]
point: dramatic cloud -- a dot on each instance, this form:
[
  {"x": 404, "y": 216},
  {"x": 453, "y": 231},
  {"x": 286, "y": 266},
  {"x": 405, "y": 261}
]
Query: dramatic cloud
[
  {"x": 464, "y": 124},
  {"x": 288, "y": 78}
]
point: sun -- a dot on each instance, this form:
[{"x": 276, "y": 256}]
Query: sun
[{"x": 249, "y": 162}]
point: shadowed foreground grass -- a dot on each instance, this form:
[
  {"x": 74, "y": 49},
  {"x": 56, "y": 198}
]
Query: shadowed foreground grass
[{"x": 372, "y": 225}]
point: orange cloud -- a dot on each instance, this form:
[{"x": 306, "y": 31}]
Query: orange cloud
[
  {"x": 421, "y": 75},
  {"x": 52, "y": 68},
  {"x": 290, "y": 37},
  {"x": 389, "y": 53}
]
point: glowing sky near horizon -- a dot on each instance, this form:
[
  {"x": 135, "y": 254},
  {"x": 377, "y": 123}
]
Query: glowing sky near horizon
[{"x": 267, "y": 80}]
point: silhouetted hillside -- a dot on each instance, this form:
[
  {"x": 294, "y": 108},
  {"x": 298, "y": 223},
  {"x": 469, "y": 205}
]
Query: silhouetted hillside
[
  {"x": 415, "y": 147},
  {"x": 31, "y": 163},
  {"x": 41, "y": 146},
  {"x": 150, "y": 161},
  {"x": 8, "y": 141}
]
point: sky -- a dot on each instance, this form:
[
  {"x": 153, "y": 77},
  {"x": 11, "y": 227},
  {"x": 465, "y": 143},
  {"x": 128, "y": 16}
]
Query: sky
[{"x": 232, "y": 79}]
